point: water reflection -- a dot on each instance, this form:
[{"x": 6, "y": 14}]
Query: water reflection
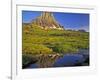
[
  {"x": 69, "y": 60},
  {"x": 72, "y": 59}
]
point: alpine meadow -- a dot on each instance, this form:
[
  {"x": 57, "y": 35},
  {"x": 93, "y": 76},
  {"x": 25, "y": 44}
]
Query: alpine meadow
[{"x": 54, "y": 39}]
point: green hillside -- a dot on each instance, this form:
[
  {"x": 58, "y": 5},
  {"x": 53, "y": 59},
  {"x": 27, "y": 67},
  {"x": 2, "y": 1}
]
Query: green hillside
[{"x": 39, "y": 41}]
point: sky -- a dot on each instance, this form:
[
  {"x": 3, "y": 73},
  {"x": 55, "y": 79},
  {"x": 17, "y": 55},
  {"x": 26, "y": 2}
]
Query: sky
[{"x": 74, "y": 21}]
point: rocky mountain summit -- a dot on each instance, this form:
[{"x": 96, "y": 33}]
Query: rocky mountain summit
[{"x": 47, "y": 21}]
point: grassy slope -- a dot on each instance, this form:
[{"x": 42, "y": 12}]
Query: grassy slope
[{"x": 39, "y": 41}]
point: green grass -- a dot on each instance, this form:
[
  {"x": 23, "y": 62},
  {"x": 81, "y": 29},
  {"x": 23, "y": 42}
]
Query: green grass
[{"x": 38, "y": 41}]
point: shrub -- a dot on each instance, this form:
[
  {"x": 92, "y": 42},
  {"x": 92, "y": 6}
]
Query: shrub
[
  {"x": 64, "y": 48},
  {"x": 36, "y": 49}
]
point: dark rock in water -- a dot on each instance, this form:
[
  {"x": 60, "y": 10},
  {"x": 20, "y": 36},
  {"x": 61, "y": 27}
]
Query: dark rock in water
[{"x": 47, "y": 21}]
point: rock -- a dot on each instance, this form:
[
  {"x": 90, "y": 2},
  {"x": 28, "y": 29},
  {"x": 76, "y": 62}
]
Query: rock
[{"x": 47, "y": 21}]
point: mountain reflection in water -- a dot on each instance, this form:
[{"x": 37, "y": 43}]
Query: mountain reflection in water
[{"x": 72, "y": 59}]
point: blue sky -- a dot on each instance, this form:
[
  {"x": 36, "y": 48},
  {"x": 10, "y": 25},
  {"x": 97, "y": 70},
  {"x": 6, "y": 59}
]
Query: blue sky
[{"x": 73, "y": 21}]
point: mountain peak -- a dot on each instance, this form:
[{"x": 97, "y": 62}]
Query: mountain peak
[{"x": 47, "y": 21}]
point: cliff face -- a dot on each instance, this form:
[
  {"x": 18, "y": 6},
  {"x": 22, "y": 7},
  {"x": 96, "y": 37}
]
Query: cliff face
[{"x": 47, "y": 21}]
